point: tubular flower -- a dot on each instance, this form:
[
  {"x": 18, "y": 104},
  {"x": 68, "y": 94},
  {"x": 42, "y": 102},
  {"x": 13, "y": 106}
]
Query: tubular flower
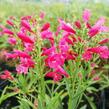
[
  {"x": 87, "y": 56},
  {"x": 86, "y": 15},
  {"x": 25, "y": 24},
  {"x": 103, "y": 51},
  {"x": 27, "y": 62},
  {"x": 6, "y": 75},
  {"x": 28, "y": 47},
  {"x": 104, "y": 41},
  {"x": 55, "y": 60},
  {"x": 12, "y": 41},
  {"x": 26, "y": 18},
  {"x": 93, "y": 31},
  {"x": 22, "y": 54},
  {"x": 7, "y": 31},
  {"x": 46, "y": 26},
  {"x": 25, "y": 38},
  {"x": 96, "y": 28},
  {"x": 77, "y": 24},
  {"x": 9, "y": 22},
  {"x": 21, "y": 69},
  {"x": 54, "y": 75},
  {"x": 49, "y": 52},
  {"x": 67, "y": 27}
]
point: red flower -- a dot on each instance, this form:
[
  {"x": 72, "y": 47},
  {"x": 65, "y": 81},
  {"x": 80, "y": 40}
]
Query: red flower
[
  {"x": 67, "y": 27},
  {"x": 7, "y": 31},
  {"x": 6, "y": 75},
  {"x": 46, "y": 26},
  {"x": 25, "y": 38},
  {"x": 26, "y": 24},
  {"x": 78, "y": 24},
  {"x": 87, "y": 56},
  {"x": 9, "y": 22},
  {"x": 104, "y": 41},
  {"x": 54, "y": 75},
  {"x": 12, "y": 41}
]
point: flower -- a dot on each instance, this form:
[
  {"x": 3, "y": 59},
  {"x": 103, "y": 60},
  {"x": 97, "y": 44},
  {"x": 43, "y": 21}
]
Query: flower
[
  {"x": 8, "y": 31},
  {"x": 49, "y": 51},
  {"x": 12, "y": 41},
  {"x": 26, "y": 25},
  {"x": 28, "y": 47},
  {"x": 45, "y": 26},
  {"x": 17, "y": 53},
  {"x": 9, "y": 22},
  {"x": 104, "y": 41},
  {"x": 42, "y": 15},
  {"x": 67, "y": 27},
  {"x": 27, "y": 62},
  {"x": 87, "y": 56},
  {"x": 55, "y": 60},
  {"x": 21, "y": 69},
  {"x": 77, "y": 24},
  {"x": 6, "y": 75},
  {"x": 86, "y": 15},
  {"x": 26, "y": 17},
  {"x": 103, "y": 51},
  {"x": 25, "y": 38},
  {"x": 54, "y": 75},
  {"x": 96, "y": 28}
]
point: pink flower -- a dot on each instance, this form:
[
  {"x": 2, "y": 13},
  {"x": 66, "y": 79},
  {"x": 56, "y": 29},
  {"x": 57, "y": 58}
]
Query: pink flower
[
  {"x": 99, "y": 23},
  {"x": 9, "y": 22},
  {"x": 26, "y": 24},
  {"x": 67, "y": 27},
  {"x": 22, "y": 54},
  {"x": 46, "y": 26},
  {"x": 87, "y": 56},
  {"x": 104, "y": 29},
  {"x": 103, "y": 51},
  {"x": 93, "y": 31},
  {"x": 11, "y": 55},
  {"x": 77, "y": 24},
  {"x": 47, "y": 34},
  {"x": 27, "y": 62},
  {"x": 86, "y": 15},
  {"x": 55, "y": 60},
  {"x": 7, "y": 31},
  {"x": 28, "y": 47},
  {"x": 26, "y": 18},
  {"x": 49, "y": 52},
  {"x": 54, "y": 75},
  {"x": 104, "y": 41},
  {"x": 12, "y": 41},
  {"x": 96, "y": 78},
  {"x": 57, "y": 74},
  {"x": 6, "y": 75},
  {"x": 21, "y": 69},
  {"x": 63, "y": 46},
  {"x": 42, "y": 15},
  {"x": 62, "y": 71},
  {"x": 88, "y": 25},
  {"x": 25, "y": 38},
  {"x": 96, "y": 28}
]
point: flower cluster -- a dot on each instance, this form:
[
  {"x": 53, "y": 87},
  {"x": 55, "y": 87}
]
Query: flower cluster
[{"x": 65, "y": 44}]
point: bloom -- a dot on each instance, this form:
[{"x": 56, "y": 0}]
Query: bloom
[
  {"x": 45, "y": 26},
  {"x": 6, "y": 75},
  {"x": 12, "y": 41},
  {"x": 67, "y": 27},
  {"x": 24, "y": 37},
  {"x": 86, "y": 15}
]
